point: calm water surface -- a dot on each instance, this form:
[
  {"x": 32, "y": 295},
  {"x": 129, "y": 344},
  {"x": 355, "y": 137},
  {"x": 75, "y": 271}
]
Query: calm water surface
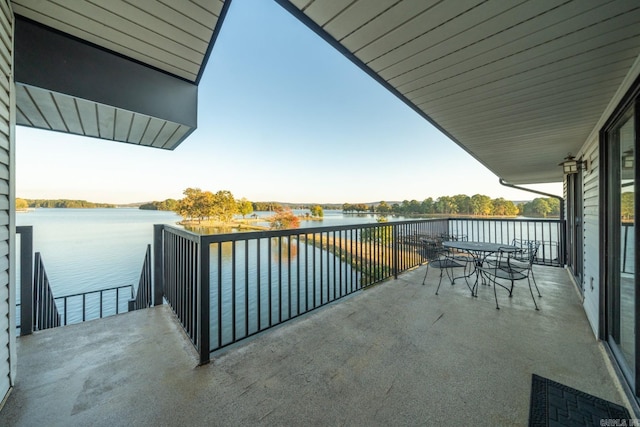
[{"x": 90, "y": 249}]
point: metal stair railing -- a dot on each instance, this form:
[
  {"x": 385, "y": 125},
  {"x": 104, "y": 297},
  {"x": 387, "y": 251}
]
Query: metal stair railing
[
  {"x": 143, "y": 294},
  {"x": 45, "y": 311}
]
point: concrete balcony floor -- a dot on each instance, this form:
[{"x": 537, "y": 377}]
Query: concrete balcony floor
[{"x": 395, "y": 354}]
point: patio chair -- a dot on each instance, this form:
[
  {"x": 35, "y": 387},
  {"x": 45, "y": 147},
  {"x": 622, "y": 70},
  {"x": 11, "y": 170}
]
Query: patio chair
[
  {"x": 510, "y": 266},
  {"x": 527, "y": 247},
  {"x": 457, "y": 255},
  {"x": 456, "y": 237},
  {"x": 440, "y": 257}
]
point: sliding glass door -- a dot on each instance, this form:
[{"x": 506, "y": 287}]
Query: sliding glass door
[{"x": 621, "y": 268}]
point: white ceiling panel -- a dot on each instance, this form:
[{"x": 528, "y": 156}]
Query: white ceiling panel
[
  {"x": 68, "y": 109},
  {"x": 467, "y": 34},
  {"x": 47, "y": 110},
  {"x": 88, "y": 113},
  {"x": 173, "y": 37},
  {"x": 302, "y": 4},
  {"x": 325, "y": 10},
  {"x": 554, "y": 52},
  {"x": 123, "y": 121},
  {"x": 517, "y": 84},
  {"x": 177, "y": 136},
  {"x": 356, "y": 16},
  {"x": 602, "y": 69},
  {"x": 415, "y": 27},
  {"x": 385, "y": 23}
]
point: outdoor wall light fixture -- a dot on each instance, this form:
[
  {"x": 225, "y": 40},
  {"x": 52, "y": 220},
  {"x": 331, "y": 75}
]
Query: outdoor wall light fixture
[
  {"x": 570, "y": 165},
  {"x": 627, "y": 159}
]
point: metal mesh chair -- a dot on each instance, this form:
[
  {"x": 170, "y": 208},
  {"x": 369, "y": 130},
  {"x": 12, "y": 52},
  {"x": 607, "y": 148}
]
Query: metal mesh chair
[
  {"x": 510, "y": 266},
  {"x": 528, "y": 247},
  {"x": 528, "y": 251},
  {"x": 439, "y": 257}
]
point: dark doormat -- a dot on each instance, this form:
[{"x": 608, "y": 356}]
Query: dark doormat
[{"x": 555, "y": 404}]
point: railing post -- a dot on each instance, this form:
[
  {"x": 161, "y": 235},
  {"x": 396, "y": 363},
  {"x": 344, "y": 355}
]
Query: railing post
[
  {"x": 563, "y": 243},
  {"x": 449, "y": 229},
  {"x": 158, "y": 264},
  {"x": 26, "y": 279},
  {"x": 203, "y": 301},
  {"x": 395, "y": 250}
]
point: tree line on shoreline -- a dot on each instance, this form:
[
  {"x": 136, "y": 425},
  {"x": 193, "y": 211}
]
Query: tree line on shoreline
[
  {"x": 198, "y": 205},
  {"x": 461, "y": 204},
  {"x": 221, "y": 206},
  {"x": 23, "y": 204}
]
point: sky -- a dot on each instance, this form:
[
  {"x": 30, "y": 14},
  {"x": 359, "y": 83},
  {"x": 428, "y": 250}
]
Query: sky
[{"x": 282, "y": 116}]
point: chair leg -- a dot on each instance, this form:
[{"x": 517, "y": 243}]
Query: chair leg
[
  {"x": 468, "y": 285},
  {"x": 450, "y": 276},
  {"x": 531, "y": 291},
  {"x": 425, "y": 275},
  {"x": 535, "y": 284},
  {"x": 465, "y": 277},
  {"x": 495, "y": 294},
  {"x": 439, "y": 282}
]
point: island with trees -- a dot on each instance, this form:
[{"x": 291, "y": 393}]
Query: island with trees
[{"x": 220, "y": 209}]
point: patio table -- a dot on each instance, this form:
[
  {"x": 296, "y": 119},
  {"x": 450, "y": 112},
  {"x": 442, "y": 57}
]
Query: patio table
[{"x": 479, "y": 251}]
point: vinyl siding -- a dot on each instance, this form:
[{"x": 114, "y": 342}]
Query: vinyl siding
[
  {"x": 7, "y": 295},
  {"x": 591, "y": 248}
]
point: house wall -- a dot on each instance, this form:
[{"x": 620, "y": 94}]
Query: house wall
[
  {"x": 592, "y": 250},
  {"x": 591, "y": 237},
  {"x": 7, "y": 202}
]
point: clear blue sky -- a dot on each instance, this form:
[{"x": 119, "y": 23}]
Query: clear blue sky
[{"x": 281, "y": 116}]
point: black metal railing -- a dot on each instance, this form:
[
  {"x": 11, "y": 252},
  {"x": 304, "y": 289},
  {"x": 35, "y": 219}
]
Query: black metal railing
[
  {"x": 39, "y": 309},
  {"x": 550, "y": 233},
  {"x": 227, "y": 287},
  {"x": 184, "y": 283},
  {"x": 90, "y": 305},
  {"x": 26, "y": 280},
  {"x": 143, "y": 293},
  {"x": 45, "y": 312}
]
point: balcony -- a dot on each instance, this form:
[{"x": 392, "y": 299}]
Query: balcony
[{"x": 391, "y": 354}]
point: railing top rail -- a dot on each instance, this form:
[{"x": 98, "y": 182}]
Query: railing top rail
[
  {"x": 226, "y": 237},
  {"x": 94, "y": 292},
  {"x": 502, "y": 219},
  {"x": 250, "y": 235},
  {"x": 182, "y": 233}
]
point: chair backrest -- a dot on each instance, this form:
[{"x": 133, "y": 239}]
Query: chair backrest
[
  {"x": 518, "y": 261},
  {"x": 453, "y": 237},
  {"x": 433, "y": 249},
  {"x": 529, "y": 249}
]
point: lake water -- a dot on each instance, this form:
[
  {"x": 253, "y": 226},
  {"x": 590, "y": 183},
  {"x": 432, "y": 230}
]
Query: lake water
[{"x": 90, "y": 249}]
